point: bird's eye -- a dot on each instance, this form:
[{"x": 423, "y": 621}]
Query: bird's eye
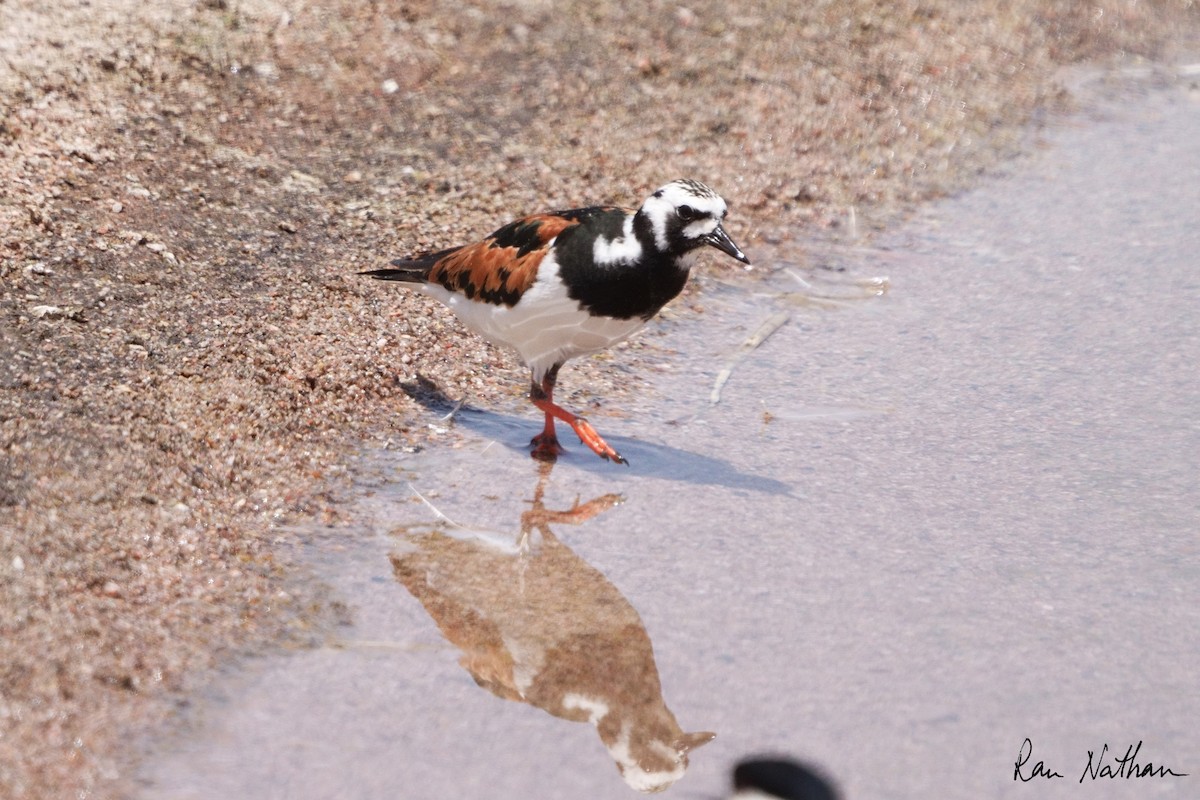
[{"x": 687, "y": 213}]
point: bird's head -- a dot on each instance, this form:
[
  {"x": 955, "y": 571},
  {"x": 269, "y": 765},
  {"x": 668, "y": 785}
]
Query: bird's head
[{"x": 686, "y": 214}]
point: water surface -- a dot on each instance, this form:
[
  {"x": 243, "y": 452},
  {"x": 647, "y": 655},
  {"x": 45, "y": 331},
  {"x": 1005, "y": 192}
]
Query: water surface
[{"x": 917, "y": 529}]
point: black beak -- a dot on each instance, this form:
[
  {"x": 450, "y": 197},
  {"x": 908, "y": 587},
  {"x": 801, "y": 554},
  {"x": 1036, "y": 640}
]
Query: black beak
[{"x": 720, "y": 240}]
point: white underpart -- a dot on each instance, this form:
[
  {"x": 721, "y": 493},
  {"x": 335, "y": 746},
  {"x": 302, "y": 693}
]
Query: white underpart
[
  {"x": 546, "y": 327},
  {"x": 625, "y": 249}
]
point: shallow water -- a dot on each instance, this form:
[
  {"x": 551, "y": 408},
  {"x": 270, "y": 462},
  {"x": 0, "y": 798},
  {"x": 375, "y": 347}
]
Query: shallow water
[{"x": 919, "y": 527}]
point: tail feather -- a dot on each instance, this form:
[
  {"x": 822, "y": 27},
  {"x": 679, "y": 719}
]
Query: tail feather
[
  {"x": 410, "y": 270},
  {"x": 406, "y": 274}
]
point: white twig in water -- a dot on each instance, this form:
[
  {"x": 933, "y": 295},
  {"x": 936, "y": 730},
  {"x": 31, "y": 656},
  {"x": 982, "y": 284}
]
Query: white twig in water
[
  {"x": 798, "y": 279},
  {"x": 454, "y": 410},
  {"x": 864, "y": 288},
  {"x": 478, "y": 533},
  {"x": 437, "y": 513},
  {"x": 774, "y": 323}
]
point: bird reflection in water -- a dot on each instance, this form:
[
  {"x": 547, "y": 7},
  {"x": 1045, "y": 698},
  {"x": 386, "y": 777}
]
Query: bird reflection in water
[{"x": 538, "y": 625}]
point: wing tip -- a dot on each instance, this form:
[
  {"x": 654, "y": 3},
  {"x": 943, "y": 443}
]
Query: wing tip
[{"x": 407, "y": 275}]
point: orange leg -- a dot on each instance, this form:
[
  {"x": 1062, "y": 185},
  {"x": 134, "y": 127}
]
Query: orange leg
[{"x": 545, "y": 444}]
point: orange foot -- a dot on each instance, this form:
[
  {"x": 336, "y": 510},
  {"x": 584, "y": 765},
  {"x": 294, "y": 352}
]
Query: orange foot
[
  {"x": 546, "y": 447},
  {"x": 587, "y": 434}
]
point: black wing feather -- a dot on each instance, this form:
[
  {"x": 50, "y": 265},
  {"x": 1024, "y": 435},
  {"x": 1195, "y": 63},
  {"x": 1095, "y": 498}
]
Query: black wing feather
[{"x": 410, "y": 270}]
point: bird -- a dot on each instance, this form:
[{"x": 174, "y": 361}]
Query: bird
[{"x": 561, "y": 284}]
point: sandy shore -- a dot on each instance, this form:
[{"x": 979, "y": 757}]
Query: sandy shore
[{"x": 187, "y": 358}]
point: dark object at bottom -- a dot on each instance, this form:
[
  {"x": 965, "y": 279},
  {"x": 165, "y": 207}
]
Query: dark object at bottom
[{"x": 782, "y": 778}]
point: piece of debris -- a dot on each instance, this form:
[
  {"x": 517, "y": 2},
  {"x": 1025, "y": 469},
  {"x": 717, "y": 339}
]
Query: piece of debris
[
  {"x": 74, "y": 313},
  {"x": 772, "y": 324}
]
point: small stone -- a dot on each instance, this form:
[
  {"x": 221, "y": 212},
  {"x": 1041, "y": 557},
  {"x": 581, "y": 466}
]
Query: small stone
[
  {"x": 58, "y": 312},
  {"x": 287, "y": 227},
  {"x": 303, "y": 181},
  {"x": 390, "y": 86},
  {"x": 83, "y": 150},
  {"x": 353, "y": 177},
  {"x": 18, "y": 564},
  {"x": 111, "y": 589},
  {"x": 46, "y": 312}
]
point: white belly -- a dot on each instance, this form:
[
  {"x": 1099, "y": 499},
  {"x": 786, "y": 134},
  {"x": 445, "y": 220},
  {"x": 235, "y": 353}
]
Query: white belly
[{"x": 545, "y": 327}]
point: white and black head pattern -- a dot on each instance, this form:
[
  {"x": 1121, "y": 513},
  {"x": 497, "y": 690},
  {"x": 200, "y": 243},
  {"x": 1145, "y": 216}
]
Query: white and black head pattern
[
  {"x": 626, "y": 266},
  {"x": 686, "y": 214}
]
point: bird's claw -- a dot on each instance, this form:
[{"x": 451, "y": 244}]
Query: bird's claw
[{"x": 587, "y": 434}]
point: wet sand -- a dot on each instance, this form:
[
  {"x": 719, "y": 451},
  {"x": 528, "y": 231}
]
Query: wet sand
[
  {"x": 187, "y": 363},
  {"x": 918, "y": 529}
]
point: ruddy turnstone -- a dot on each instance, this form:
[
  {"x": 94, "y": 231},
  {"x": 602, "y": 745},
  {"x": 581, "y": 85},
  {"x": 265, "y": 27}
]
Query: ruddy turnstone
[{"x": 565, "y": 283}]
